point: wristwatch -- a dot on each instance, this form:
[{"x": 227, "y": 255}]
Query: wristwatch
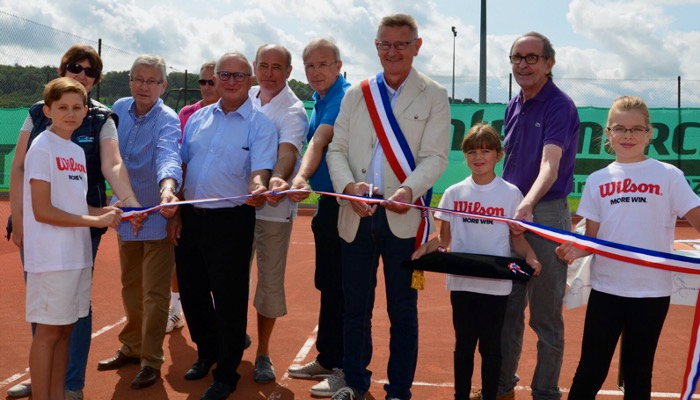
[{"x": 165, "y": 187}]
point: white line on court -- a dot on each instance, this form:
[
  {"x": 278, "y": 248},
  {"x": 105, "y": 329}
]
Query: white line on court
[
  {"x": 305, "y": 243},
  {"x": 94, "y": 335},
  {"x": 301, "y": 356},
  {"x": 662, "y": 395}
]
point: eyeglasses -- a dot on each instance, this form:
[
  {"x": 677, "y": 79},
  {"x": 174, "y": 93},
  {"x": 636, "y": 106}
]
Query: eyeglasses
[
  {"x": 386, "y": 46},
  {"x": 151, "y": 83},
  {"x": 77, "y": 68},
  {"x": 204, "y": 82},
  {"x": 618, "y": 130},
  {"x": 529, "y": 59},
  {"x": 237, "y": 76}
]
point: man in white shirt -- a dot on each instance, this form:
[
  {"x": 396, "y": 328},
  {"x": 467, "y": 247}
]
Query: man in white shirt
[{"x": 273, "y": 227}]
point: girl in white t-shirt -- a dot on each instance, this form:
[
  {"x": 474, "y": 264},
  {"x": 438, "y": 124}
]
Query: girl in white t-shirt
[
  {"x": 57, "y": 244},
  {"x": 635, "y": 201},
  {"x": 479, "y": 304}
]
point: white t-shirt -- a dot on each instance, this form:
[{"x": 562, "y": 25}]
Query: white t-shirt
[
  {"x": 48, "y": 247},
  {"x": 288, "y": 114},
  {"x": 636, "y": 204},
  {"x": 478, "y": 235}
]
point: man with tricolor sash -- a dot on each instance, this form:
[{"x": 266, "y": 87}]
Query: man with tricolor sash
[{"x": 390, "y": 141}]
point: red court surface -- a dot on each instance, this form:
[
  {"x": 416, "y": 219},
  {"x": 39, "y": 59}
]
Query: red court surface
[{"x": 293, "y": 338}]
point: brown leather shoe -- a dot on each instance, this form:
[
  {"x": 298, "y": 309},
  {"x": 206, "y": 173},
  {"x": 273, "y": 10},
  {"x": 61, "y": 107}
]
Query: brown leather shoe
[
  {"x": 117, "y": 361},
  {"x": 145, "y": 378},
  {"x": 507, "y": 396}
]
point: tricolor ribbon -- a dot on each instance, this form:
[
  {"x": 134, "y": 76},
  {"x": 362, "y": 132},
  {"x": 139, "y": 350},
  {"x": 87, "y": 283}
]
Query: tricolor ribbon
[
  {"x": 631, "y": 254},
  {"x": 397, "y": 152}
]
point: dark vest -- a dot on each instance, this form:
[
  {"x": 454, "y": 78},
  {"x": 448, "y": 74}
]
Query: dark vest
[{"x": 87, "y": 136}]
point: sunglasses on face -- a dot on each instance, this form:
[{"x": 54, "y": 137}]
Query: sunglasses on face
[
  {"x": 203, "y": 82},
  {"x": 77, "y": 68}
]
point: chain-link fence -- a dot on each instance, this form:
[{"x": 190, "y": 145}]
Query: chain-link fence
[{"x": 30, "y": 53}]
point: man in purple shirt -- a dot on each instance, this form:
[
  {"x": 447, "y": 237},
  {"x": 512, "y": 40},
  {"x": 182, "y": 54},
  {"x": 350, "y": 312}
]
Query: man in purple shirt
[{"x": 541, "y": 128}]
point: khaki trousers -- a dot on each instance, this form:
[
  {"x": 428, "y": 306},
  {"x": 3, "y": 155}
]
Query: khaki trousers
[{"x": 147, "y": 269}]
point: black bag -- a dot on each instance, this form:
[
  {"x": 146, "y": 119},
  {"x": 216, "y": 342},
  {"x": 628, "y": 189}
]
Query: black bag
[{"x": 478, "y": 265}]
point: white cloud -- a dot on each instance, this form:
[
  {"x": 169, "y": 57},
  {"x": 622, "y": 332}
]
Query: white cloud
[{"x": 610, "y": 40}]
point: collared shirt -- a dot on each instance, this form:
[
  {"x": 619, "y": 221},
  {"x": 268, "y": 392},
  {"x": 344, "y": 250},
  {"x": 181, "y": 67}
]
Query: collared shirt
[
  {"x": 148, "y": 145},
  {"x": 550, "y": 117},
  {"x": 325, "y": 111},
  {"x": 375, "y": 172},
  {"x": 221, "y": 150},
  {"x": 185, "y": 114},
  {"x": 288, "y": 115}
]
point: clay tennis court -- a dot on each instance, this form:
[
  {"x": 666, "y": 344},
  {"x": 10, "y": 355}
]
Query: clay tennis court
[{"x": 293, "y": 338}]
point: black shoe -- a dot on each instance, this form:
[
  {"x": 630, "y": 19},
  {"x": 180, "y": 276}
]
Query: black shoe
[
  {"x": 217, "y": 391},
  {"x": 117, "y": 361},
  {"x": 145, "y": 378},
  {"x": 199, "y": 370},
  {"x": 248, "y": 341}
]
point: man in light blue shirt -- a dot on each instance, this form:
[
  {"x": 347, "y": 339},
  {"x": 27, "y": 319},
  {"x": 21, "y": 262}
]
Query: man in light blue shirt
[
  {"x": 228, "y": 150},
  {"x": 148, "y": 141}
]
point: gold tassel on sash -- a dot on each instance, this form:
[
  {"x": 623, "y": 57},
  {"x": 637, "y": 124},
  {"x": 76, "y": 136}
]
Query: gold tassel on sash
[{"x": 418, "y": 280}]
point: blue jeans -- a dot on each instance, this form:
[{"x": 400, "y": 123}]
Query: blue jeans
[
  {"x": 360, "y": 262},
  {"x": 79, "y": 341},
  {"x": 328, "y": 280},
  {"x": 545, "y": 294}
]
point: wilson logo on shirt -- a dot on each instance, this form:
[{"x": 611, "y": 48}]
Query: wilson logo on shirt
[
  {"x": 477, "y": 208},
  {"x": 69, "y": 164},
  {"x": 627, "y": 186}
]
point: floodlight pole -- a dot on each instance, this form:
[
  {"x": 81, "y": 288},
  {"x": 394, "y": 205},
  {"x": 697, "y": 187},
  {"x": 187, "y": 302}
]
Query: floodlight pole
[
  {"x": 454, "y": 40},
  {"x": 482, "y": 56}
]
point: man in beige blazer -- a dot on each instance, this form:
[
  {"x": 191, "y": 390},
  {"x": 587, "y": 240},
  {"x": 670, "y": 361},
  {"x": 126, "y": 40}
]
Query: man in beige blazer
[{"x": 358, "y": 166}]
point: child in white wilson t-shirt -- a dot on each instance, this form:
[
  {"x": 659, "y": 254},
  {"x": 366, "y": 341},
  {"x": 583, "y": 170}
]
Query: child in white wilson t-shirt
[
  {"x": 635, "y": 201},
  {"x": 56, "y": 236},
  {"x": 479, "y": 304}
]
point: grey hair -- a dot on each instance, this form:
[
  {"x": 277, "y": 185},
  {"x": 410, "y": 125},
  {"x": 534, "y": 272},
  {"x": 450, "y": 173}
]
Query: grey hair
[
  {"x": 399, "y": 20},
  {"x": 234, "y": 54},
  {"x": 321, "y": 44},
  {"x": 152, "y": 61}
]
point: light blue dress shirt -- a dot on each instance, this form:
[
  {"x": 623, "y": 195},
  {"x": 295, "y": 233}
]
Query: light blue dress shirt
[
  {"x": 149, "y": 148},
  {"x": 220, "y": 151}
]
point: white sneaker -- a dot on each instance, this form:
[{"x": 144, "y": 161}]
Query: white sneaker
[
  {"x": 309, "y": 371},
  {"x": 176, "y": 320},
  {"x": 330, "y": 385},
  {"x": 22, "y": 389}
]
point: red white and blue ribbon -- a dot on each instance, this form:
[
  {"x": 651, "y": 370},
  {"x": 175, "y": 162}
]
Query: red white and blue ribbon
[
  {"x": 631, "y": 254},
  {"x": 396, "y": 149}
]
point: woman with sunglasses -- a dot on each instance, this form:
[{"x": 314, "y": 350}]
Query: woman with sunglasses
[{"x": 98, "y": 137}]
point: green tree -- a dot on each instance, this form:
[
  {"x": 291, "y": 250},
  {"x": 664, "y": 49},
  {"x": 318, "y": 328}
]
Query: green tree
[{"x": 301, "y": 89}]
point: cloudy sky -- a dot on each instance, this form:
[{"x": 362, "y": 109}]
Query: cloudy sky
[{"x": 642, "y": 39}]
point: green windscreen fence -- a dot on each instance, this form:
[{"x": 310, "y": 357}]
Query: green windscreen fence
[{"x": 676, "y": 140}]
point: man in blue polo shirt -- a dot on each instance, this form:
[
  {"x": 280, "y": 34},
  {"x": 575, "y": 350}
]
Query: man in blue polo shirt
[
  {"x": 541, "y": 128},
  {"x": 228, "y": 150},
  {"x": 322, "y": 65}
]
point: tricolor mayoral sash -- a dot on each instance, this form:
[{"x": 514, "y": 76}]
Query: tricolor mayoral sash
[{"x": 396, "y": 149}]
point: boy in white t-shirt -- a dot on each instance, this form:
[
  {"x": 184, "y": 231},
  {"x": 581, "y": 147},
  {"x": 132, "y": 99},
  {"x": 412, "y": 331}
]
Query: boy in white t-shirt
[
  {"x": 479, "y": 304},
  {"x": 56, "y": 236}
]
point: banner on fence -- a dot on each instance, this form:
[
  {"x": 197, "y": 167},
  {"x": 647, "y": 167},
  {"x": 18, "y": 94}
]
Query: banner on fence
[{"x": 676, "y": 140}]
